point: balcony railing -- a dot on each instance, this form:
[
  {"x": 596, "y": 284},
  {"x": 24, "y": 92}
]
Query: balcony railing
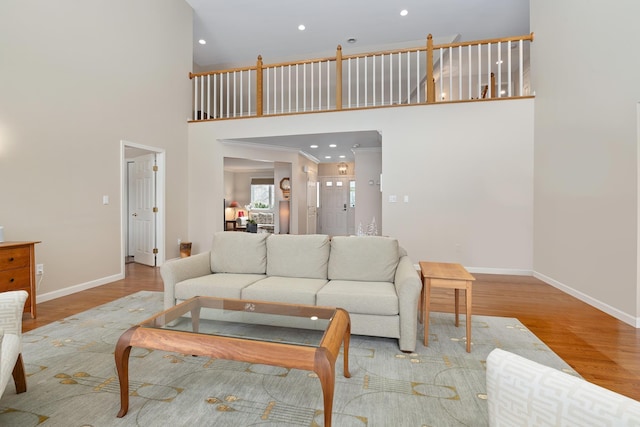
[{"x": 477, "y": 70}]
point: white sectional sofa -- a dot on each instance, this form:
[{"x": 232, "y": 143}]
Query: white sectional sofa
[{"x": 371, "y": 277}]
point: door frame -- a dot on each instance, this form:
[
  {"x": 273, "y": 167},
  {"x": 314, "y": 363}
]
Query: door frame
[{"x": 160, "y": 200}]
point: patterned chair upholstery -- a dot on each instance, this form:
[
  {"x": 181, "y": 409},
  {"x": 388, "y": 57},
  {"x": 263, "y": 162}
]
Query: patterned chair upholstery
[
  {"x": 521, "y": 392},
  {"x": 11, "y": 308}
]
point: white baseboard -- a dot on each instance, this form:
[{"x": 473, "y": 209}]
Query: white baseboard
[
  {"x": 504, "y": 271},
  {"x": 77, "y": 288},
  {"x": 612, "y": 311},
  {"x": 484, "y": 270}
]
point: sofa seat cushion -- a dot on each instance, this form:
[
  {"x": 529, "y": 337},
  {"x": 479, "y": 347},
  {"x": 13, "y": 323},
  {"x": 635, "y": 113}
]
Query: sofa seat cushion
[
  {"x": 368, "y": 258},
  {"x": 221, "y": 285},
  {"x": 291, "y": 255},
  {"x": 292, "y": 290},
  {"x": 360, "y": 297},
  {"x": 233, "y": 252}
]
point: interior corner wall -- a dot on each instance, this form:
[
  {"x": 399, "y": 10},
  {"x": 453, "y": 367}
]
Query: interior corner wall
[
  {"x": 467, "y": 169},
  {"x": 586, "y": 162},
  {"x": 77, "y": 79},
  {"x": 368, "y": 196}
]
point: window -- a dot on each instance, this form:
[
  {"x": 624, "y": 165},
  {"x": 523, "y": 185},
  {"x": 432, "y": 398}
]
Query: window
[{"x": 262, "y": 193}]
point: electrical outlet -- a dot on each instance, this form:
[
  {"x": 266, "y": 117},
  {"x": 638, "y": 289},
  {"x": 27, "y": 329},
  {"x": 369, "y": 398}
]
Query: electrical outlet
[{"x": 39, "y": 269}]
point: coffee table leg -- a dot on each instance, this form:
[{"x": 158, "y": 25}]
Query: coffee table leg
[
  {"x": 325, "y": 370},
  {"x": 123, "y": 349}
]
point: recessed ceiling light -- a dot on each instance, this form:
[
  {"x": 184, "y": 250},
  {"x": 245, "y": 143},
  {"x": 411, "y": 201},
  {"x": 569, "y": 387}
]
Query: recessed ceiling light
[
  {"x": 301, "y": 27},
  {"x": 202, "y": 41},
  {"x": 327, "y": 157},
  {"x": 332, "y": 145},
  {"x": 313, "y": 146},
  {"x": 404, "y": 12},
  {"x": 498, "y": 62},
  {"x": 343, "y": 156}
]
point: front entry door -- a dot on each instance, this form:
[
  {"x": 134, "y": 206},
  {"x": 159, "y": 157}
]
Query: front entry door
[{"x": 333, "y": 205}]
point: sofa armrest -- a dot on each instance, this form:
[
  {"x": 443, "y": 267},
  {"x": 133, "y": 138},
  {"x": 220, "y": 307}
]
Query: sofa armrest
[
  {"x": 408, "y": 287},
  {"x": 526, "y": 393},
  {"x": 176, "y": 271},
  {"x": 11, "y": 307}
]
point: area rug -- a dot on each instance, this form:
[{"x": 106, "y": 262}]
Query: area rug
[{"x": 72, "y": 380}]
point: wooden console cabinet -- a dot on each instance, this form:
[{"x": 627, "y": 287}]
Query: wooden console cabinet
[{"x": 18, "y": 270}]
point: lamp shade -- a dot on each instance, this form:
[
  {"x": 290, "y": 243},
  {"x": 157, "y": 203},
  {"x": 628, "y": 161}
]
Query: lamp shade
[{"x": 234, "y": 204}]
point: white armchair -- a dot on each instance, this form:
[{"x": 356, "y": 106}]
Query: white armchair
[
  {"x": 524, "y": 393},
  {"x": 11, "y": 308}
]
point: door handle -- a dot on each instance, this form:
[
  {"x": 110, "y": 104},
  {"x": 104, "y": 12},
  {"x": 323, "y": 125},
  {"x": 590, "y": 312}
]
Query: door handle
[
  {"x": 344, "y": 207},
  {"x": 134, "y": 214}
]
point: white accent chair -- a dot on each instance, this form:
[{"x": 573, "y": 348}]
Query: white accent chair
[
  {"x": 11, "y": 308},
  {"x": 521, "y": 392}
]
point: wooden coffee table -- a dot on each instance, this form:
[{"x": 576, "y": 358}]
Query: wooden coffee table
[
  {"x": 333, "y": 327},
  {"x": 445, "y": 275}
]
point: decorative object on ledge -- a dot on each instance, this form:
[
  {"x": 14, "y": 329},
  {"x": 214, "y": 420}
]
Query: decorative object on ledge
[
  {"x": 185, "y": 249},
  {"x": 234, "y": 204},
  {"x": 1, "y": 234},
  {"x": 285, "y": 186},
  {"x": 342, "y": 168}
]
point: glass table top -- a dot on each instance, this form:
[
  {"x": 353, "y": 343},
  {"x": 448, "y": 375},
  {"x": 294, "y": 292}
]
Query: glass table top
[{"x": 251, "y": 320}]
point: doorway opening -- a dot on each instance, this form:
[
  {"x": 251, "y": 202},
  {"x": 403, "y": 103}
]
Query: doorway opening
[{"x": 142, "y": 201}]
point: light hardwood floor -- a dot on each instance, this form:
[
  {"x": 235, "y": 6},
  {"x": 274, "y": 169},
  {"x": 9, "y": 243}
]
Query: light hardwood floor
[{"x": 602, "y": 349}]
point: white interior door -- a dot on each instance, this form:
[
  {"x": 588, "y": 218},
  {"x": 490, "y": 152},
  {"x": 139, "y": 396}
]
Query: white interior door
[
  {"x": 334, "y": 204},
  {"x": 312, "y": 202},
  {"x": 142, "y": 217}
]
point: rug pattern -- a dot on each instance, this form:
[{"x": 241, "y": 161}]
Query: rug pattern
[{"x": 72, "y": 380}]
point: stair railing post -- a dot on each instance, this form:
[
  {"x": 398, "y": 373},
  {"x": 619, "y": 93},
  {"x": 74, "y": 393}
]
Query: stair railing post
[
  {"x": 430, "y": 83},
  {"x": 259, "y": 86},
  {"x": 493, "y": 86},
  {"x": 339, "y": 78}
]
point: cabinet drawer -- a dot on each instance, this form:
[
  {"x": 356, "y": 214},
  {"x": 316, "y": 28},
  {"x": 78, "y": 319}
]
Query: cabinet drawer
[
  {"x": 14, "y": 258},
  {"x": 11, "y": 280}
]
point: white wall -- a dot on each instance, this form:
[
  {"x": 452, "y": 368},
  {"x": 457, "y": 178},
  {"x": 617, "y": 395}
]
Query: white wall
[
  {"x": 368, "y": 196},
  {"x": 470, "y": 184},
  {"x": 77, "y": 78},
  {"x": 586, "y": 194}
]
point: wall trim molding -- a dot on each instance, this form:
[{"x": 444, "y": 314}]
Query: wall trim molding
[
  {"x": 612, "y": 311},
  {"x": 77, "y": 288}
]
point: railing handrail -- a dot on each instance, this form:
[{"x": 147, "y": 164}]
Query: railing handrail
[{"x": 415, "y": 85}]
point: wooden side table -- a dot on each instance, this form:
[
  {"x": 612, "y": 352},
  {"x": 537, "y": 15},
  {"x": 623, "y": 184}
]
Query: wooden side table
[{"x": 445, "y": 275}]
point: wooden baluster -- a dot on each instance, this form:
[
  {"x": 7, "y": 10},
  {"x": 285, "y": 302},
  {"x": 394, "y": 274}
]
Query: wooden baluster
[
  {"x": 430, "y": 87},
  {"x": 493, "y": 86},
  {"x": 259, "y": 86}
]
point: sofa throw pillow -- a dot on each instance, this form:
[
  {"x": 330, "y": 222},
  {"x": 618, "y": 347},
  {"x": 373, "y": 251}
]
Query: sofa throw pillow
[
  {"x": 237, "y": 252},
  {"x": 367, "y": 258},
  {"x": 298, "y": 255}
]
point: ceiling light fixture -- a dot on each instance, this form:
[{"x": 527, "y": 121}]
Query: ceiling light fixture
[
  {"x": 313, "y": 146},
  {"x": 301, "y": 27},
  {"x": 404, "y": 12},
  {"x": 332, "y": 145},
  {"x": 202, "y": 41},
  {"x": 327, "y": 157},
  {"x": 352, "y": 40},
  {"x": 343, "y": 156}
]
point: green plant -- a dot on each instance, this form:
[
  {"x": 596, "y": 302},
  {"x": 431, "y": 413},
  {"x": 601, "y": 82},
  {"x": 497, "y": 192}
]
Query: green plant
[
  {"x": 260, "y": 205},
  {"x": 251, "y": 221}
]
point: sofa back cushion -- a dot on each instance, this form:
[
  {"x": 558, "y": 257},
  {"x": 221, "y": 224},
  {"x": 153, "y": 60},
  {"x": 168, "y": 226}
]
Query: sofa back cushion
[
  {"x": 298, "y": 255},
  {"x": 364, "y": 258},
  {"x": 237, "y": 252}
]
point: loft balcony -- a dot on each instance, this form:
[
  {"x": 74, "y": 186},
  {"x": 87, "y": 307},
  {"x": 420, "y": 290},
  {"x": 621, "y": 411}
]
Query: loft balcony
[{"x": 452, "y": 72}]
